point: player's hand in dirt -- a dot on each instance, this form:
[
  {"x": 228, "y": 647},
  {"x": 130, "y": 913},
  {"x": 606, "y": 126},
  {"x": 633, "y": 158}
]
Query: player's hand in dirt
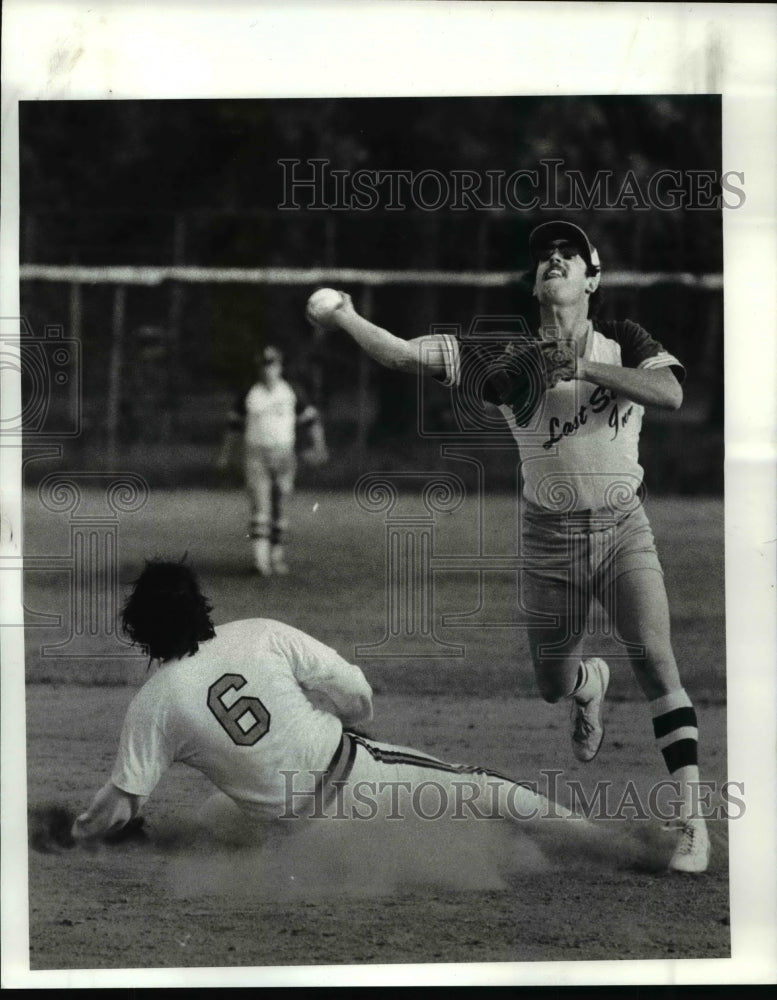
[{"x": 50, "y": 830}]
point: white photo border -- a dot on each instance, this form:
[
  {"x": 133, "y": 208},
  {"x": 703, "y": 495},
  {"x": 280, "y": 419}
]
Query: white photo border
[{"x": 203, "y": 49}]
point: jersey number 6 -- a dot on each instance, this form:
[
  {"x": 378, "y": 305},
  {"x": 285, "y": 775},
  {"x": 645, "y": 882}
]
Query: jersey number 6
[{"x": 246, "y": 720}]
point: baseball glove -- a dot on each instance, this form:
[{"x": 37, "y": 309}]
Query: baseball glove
[
  {"x": 517, "y": 373},
  {"x": 134, "y": 830},
  {"x": 560, "y": 362},
  {"x": 49, "y": 828}
]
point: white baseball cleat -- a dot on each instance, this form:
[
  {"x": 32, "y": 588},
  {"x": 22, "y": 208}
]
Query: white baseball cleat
[
  {"x": 262, "y": 564},
  {"x": 278, "y": 561},
  {"x": 692, "y": 853},
  {"x": 586, "y": 716}
]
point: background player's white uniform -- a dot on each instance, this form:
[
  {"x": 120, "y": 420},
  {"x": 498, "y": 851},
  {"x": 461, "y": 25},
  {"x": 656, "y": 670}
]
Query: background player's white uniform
[{"x": 268, "y": 416}]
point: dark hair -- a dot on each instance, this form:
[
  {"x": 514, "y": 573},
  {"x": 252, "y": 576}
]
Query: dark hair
[
  {"x": 595, "y": 301},
  {"x": 166, "y": 614}
]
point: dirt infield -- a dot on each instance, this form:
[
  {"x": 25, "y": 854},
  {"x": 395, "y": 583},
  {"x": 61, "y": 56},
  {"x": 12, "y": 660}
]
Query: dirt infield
[{"x": 364, "y": 894}]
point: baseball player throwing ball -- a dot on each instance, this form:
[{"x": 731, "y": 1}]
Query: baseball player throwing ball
[
  {"x": 573, "y": 394},
  {"x": 265, "y": 712}
]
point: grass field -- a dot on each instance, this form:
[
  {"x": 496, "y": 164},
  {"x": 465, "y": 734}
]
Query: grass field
[
  {"x": 441, "y": 895},
  {"x": 338, "y": 588}
]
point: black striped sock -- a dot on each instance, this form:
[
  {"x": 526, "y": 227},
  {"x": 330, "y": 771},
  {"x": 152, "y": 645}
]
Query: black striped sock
[{"x": 676, "y": 729}]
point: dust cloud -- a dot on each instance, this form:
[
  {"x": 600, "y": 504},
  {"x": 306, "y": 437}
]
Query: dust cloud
[{"x": 225, "y": 853}]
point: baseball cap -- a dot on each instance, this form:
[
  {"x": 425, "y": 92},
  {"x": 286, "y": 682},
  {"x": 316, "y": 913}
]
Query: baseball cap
[
  {"x": 559, "y": 230},
  {"x": 268, "y": 356}
]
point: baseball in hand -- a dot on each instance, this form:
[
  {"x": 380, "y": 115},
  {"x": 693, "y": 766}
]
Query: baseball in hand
[{"x": 322, "y": 304}]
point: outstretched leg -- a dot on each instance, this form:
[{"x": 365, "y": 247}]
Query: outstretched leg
[
  {"x": 643, "y": 622},
  {"x": 396, "y": 783}
]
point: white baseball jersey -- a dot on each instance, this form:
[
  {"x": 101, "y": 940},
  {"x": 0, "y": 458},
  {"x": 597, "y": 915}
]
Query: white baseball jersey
[
  {"x": 238, "y": 712},
  {"x": 269, "y": 415},
  {"x": 579, "y": 450}
]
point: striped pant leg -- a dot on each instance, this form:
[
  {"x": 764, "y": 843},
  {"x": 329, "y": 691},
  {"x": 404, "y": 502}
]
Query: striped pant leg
[{"x": 393, "y": 782}]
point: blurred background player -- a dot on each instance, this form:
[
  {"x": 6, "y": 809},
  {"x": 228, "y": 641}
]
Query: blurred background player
[
  {"x": 584, "y": 530},
  {"x": 266, "y": 418}
]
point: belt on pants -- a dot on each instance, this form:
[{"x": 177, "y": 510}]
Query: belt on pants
[
  {"x": 339, "y": 769},
  {"x": 588, "y": 519}
]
